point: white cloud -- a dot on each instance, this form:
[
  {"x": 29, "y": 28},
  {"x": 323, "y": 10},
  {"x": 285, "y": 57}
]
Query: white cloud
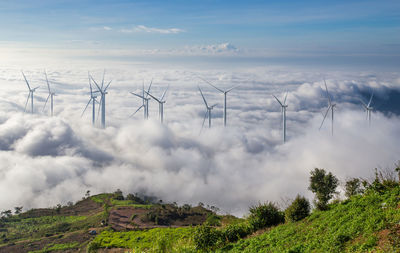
[
  {"x": 107, "y": 28},
  {"x": 142, "y": 28}
]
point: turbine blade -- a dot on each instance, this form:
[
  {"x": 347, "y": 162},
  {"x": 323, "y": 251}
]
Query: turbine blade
[
  {"x": 277, "y": 100},
  {"x": 98, "y": 110},
  {"x": 98, "y": 87},
  {"x": 284, "y": 101},
  {"x": 364, "y": 105},
  {"x": 213, "y": 106},
  {"x": 327, "y": 93},
  {"x": 27, "y": 100},
  {"x": 162, "y": 97},
  {"x": 204, "y": 120},
  {"x": 46, "y": 102},
  {"x": 102, "y": 81},
  {"x": 325, "y": 117},
  {"x": 90, "y": 85},
  {"x": 370, "y": 100},
  {"x": 234, "y": 87},
  {"x": 29, "y": 87},
  {"x": 148, "y": 90},
  {"x": 211, "y": 84},
  {"x": 153, "y": 97},
  {"x": 205, "y": 102},
  {"x": 47, "y": 80},
  {"x": 86, "y": 106},
  {"x": 136, "y": 111},
  {"x": 107, "y": 86},
  {"x": 137, "y": 95}
]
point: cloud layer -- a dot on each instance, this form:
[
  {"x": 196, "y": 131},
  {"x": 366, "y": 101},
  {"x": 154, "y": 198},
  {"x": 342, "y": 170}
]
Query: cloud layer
[{"x": 45, "y": 161}]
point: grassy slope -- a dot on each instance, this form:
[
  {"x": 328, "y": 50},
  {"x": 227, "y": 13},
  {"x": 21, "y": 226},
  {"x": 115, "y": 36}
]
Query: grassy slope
[{"x": 361, "y": 224}]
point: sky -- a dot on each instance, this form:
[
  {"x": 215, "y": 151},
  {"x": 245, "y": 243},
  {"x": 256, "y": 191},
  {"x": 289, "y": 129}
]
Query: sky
[
  {"x": 254, "y": 29},
  {"x": 264, "y": 48}
]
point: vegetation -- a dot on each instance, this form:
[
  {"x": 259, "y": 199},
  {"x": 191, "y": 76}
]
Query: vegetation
[
  {"x": 298, "y": 210},
  {"x": 324, "y": 186},
  {"x": 265, "y": 215}
]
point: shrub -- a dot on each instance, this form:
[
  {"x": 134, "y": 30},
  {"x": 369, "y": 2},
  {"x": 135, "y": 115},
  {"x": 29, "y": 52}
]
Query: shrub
[
  {"x": 206, "y": 237},
  {"x": 213, "y": 220},
  {"x": 265, "y": 215},
  {"x": 234, "y": 232},
  {"x": 324, "y": 186},
  {"x": 353, "y": 187},
  {"x": 298, "y": 210},
  {"x": 118, "y": 195}
]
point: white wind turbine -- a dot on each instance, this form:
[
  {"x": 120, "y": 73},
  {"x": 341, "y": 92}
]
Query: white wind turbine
[
  {"x": 161, "y": 103},
  {"x": 145, "y": 101},
  {"x": 330, "y": 107},
  {"x": 103, "y": 92},
  {"x": 93, "y": 100},
  {"x": 224, "y": 92},
  {"x": 368, "y": 108},
  {"x": 283, "y": 106},
  {"x": 30, "y": 95},
  {"x": 51, "y": 95},
  {"x": 208, "y": 112}
]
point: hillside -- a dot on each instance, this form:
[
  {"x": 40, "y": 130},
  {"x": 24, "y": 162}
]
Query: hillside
[{"x": 368, "y": 222}]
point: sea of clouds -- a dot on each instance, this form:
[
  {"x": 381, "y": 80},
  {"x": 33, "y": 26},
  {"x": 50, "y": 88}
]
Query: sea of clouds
[{"x": 49, "y": 160}]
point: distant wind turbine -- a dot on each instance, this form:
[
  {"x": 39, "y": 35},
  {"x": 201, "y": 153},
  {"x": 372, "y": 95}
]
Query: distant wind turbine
[
  {"x": 103, "y": 92},
  {"x": 30, "y": 95},
  {"x": 93, "y": 100},
  {"x": 284, "y": 106},
  {"x": 145, "y": 101},
  {"x": 368, "y": 108},
  {"x": 51, "y": 95},
  {"x": 208, "y": 112},
  {"x": 161, "y": 103},
  {"x": 330, "y": 107},
  {"x": 224, "y": 92}
]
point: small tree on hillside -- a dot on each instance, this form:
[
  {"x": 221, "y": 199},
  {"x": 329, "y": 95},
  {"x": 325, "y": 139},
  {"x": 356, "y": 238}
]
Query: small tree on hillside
[
  {"x": 298, "y": 210},
  {"x": 324, "y": 186},
  {"x": 18, "y": 209},
  {"x": 353, "y": 187}
]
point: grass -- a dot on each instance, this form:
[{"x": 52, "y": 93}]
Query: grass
[
  {"x": 56, "y": 247},
  {"x": 152, "y": 240},
  {"x": 350, "y": 226},
  {"x": 132, "y": 203}
]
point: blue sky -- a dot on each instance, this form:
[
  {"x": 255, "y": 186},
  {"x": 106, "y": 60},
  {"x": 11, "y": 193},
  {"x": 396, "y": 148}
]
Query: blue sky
[{"x": 277, "y": 28}]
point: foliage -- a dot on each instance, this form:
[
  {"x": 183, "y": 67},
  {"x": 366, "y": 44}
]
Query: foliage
[
  {"x": 213, "y": 220},
  {"x": 265, "y": 215},
  {"x": 298, "y": 210},
  {"x": 353, "y": 187},
  {"x": 324, "y": 186},
  {"x": 206, "y": 237},
  {"x": 234, "y": 232}
]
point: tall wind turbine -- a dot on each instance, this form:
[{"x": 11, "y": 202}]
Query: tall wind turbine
[
  {"x": 161, "y": 103},
  {"x": 30, "y": 95},
  {"x": 368, "y": 108},
  {"x": 103, "y": 92},
  {"x": 51, "y": 95},
  {"x": 330, "y": 107},
  {"x": 283, "y": 106},
  {"x": 93, "y": 100},
  {"x": 222, "y": 91},
  {"x": 145, "y": 101},
  {"x": 208, "y": 112}
]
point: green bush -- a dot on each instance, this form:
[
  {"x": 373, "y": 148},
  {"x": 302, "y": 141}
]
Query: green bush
[
  {"x": 206, "y": 237},
  {"x": 324, "y": 186},
  {"x": 213, "y": 220},
  {"x": 353, "y": 187},
  {"x": 298, "y": 210},
  {"x": 234, "y": 232},
  {"x": 265, "y": 215}
]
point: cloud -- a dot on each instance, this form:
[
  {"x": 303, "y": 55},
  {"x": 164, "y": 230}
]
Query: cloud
[
  {"x": 107, "y": 28},
  {"x": 45, "y": 161},
  {"x": 142, "y": 28}
]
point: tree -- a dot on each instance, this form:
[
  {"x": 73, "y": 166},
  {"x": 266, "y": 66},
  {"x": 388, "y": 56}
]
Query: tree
[
  {"x": 324, "y": 186},
  {"x": 6, "y": 213},
  {"x": 18, "y": 209},
  {"x": 118, "y": 195},
  {"x": 298, "y": 210},
  {"x": 87, "y": 195},
  {"x": 353, "y": 187},
  {"x": 265, "y": 215}
]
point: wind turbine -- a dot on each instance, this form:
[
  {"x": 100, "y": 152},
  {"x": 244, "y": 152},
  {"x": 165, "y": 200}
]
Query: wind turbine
[
  {"x": 145, "y": 99},
  {"x": 30, "y": 95},
  {"x": 93, "y": 100},
  {"x": 208, "y": 112},
  {"x": 284, "y": 106},
  {"x": 368, "y": 108},
  {"x": 330, "y": 107},
  {"x": 161, "y": 103},
  {"x": 103, "y": 92},
  {"x": 51, "y": 95},
  {"x": 224, "y": 92}
]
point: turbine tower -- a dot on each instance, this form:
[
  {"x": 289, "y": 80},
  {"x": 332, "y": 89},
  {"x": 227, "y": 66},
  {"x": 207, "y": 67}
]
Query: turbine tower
[
  {"x": 368, "y": 108},
  {"x": 208, "y": 112},
  {"x": 161, "y": 103},
  {"x": 330, "y": 107},
  {"x": 283, "y": 106},
  {"x": 224, "y": 92},
  {"x": 93, "y": 100},
  {"x": 30, "y": 95},
  {"x": 103, "y": 92},
  {"x": 145, "y": 101},
  {"x": 51, "y": 95}
]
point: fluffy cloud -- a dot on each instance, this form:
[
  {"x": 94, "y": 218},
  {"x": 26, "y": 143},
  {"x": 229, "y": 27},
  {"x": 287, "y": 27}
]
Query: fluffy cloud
[
  {"x": 45, "y": 161},
  {"x": 146, "y": 29}
]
